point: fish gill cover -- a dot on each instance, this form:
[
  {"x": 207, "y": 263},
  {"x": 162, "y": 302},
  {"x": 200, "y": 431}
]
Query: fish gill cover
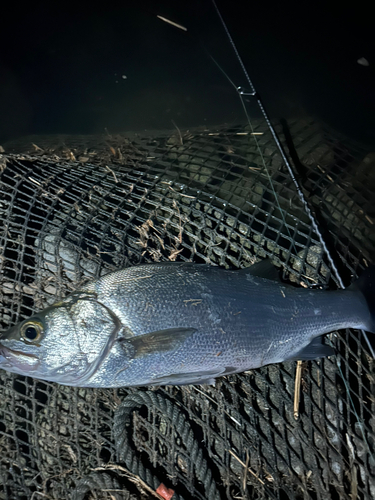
[{"x": 77, "y": 207}]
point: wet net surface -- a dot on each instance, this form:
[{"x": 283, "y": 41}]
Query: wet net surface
[{"x": 74, "y": 208}]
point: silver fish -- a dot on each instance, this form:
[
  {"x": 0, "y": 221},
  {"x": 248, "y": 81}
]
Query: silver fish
[{"x": 180, "y": 323}]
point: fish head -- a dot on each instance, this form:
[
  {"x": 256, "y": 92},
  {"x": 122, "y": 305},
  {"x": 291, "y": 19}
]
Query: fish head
[{"x": 64, "y": 343}]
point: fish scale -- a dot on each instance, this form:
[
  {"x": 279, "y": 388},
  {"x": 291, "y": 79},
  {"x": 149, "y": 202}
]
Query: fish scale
[{"x": 182, "y": 323}]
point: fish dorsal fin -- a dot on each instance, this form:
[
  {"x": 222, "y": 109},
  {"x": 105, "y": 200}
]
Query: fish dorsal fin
[
  {"x": 264, "y": 269},
  {"x": 158, "y": 341}
]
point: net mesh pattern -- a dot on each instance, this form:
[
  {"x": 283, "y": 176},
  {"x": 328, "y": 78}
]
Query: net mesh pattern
[{"x": 76, "y": 208}]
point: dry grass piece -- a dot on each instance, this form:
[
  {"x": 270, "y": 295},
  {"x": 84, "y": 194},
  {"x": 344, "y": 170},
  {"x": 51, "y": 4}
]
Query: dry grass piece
[
  {"x": 297, "y": 390},
  {"x": 248, "y": 468}
]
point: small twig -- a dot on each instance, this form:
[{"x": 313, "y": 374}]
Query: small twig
[
  {"x": 34, "y": 181},
  {"x": 181, "y": 194},
  {"x": 132, "y": 477},
  {"x": 112, "y": 172},
  {"x": 179, "y": 26},
  {"x": 245, "y": 472},
  {"x": 248, "y": 468},
  {"x": 179, "y": 133},
  {"x": 236, "y": 133},
  {"x": 187, "y": 196},
  {"x": 369, "y": 219},
  {"x": 251, "y": 133},
  {"x": 174, "y": 253},
  {"x": 180, "y": 226},
  {"x": 161, "y": 241},
  {"x": 309, "y": 278},
  {"x": 297, "y": 390},
  {"x": 217, "y": 404}
]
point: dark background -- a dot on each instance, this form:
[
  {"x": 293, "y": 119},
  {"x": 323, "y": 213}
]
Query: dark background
[{"x": 63, "y": 67}]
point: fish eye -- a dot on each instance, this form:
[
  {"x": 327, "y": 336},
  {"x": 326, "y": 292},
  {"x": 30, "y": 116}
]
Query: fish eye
[{"x": 31, "y": 331}]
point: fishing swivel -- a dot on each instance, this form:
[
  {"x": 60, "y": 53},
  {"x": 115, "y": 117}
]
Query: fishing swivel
[{"x": 243, "y": 91}]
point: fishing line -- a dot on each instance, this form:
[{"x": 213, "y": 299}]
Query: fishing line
[
  {"x": 284, "y": 157},
  {"x": 241, "y": 93},
  {"x": 278, "y": 143},
  {"x": 302, "y": 198}
]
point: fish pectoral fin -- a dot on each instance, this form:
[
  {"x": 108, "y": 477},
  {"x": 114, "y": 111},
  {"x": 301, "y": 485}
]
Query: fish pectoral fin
[
  {"x": 194, "y": 378},
  {"x": 159, "y": 341},
  {"x": 316, "y": 349}
]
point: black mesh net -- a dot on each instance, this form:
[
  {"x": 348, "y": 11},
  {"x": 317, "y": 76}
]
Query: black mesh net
[{"x": 74, "y": 208}]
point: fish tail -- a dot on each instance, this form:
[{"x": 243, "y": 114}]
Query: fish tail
[{"x": 366, "y": 285}]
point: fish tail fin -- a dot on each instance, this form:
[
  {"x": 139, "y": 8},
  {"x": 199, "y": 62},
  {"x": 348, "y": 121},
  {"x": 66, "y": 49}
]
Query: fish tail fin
[{"x": 366, "y": 285}]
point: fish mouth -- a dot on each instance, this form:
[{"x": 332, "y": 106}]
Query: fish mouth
[{"x": 18, "y": 360}]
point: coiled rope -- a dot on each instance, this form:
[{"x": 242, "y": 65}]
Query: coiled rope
[{"x": 127, "y": 454}]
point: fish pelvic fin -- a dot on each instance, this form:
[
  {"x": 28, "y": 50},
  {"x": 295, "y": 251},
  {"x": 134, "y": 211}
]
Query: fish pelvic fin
[
  {"x": 193, "y": 378},
  {"x": 315, "y": 350},
  {"x": 366, "y": 285}
]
